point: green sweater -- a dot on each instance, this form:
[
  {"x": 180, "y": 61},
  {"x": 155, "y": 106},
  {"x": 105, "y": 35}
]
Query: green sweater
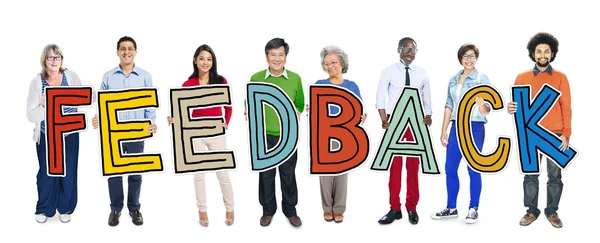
[{"x": 292, "y": 86}]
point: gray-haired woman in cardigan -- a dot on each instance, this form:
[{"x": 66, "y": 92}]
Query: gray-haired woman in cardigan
[{"x": 54, "y": 193}]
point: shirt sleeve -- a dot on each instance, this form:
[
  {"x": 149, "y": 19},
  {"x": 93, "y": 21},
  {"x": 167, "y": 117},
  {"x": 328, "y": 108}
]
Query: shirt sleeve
[
  {"x": 357, "y": 91},
  {"x": 449, "y": 101},
  {"x": 149, "y": 113},
  {"x": 228, "y": 108},
  {"x": 299, "y": 102},
  {"x": 426, "y": 95},
  {"x": 382, "y": 89},
  {"x": 565, "y": 105}
]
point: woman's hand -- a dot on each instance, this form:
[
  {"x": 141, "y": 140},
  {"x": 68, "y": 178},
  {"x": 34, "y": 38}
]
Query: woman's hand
[{"x": 444, "y": 139}]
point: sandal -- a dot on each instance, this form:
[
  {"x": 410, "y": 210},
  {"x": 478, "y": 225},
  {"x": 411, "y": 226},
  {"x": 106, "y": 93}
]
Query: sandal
[
  {"x": 338, "y": 217},
  {"x": 229, "y": 218},
  {"x": 328, "y": 216},
  {"x": 204, "y": 222}
]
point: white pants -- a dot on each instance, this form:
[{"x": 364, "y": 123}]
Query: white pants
[{"x": 219, "y": 143}]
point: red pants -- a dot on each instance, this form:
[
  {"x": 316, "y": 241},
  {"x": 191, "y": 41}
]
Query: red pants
[{"x": 412, "y": 178}]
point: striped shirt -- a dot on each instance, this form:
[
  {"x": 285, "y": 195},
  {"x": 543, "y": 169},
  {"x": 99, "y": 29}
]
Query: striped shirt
[{"x": 65, "y": 109}]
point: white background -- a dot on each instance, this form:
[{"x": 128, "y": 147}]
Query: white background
[{"x": 167, "y": 36}]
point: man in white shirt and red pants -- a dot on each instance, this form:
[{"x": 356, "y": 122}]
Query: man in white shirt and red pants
[{"x": 391, "y": 83}]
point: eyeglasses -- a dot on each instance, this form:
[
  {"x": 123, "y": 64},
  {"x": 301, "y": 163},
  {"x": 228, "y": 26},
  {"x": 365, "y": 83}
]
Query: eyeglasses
[
  {"x": 467, "y": 57},
  {"x": 411, "y": 50},
  {"x": 330, "y": 64},
  {"x": 57, "y": 58}
]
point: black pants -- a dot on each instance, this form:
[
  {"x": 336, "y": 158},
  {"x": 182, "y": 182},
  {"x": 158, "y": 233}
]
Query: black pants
[
  {"x": 289, "y": 189},
  {"x": 134, "y": 182}
]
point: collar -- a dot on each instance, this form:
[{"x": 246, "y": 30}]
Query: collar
[
  {"x": 268, "y": 73},
  {"x": 135, "y": 70},
  {"x": 401, "y": 65},
  {"x": 536, "y": 71}
]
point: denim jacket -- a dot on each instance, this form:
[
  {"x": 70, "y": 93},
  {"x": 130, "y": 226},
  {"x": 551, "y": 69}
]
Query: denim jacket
[{"x": 470, "y": 81}]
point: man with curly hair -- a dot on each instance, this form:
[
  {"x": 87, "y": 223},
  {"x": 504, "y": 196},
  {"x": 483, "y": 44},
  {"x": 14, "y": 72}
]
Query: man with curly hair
[{"x": 542, "y": 50}]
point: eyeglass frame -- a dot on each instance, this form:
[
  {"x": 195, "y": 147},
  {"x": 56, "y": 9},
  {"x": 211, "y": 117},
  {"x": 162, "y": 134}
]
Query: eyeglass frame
[
  {"x": 471, "y": 57},
  {"x": 413, "y": 50},
  {"x": 53, "y": 58}
]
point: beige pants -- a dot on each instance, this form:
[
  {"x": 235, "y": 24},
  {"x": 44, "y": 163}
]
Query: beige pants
[
  {"x": 333, "y": 193},
  {"x": 219, "y": 143}
]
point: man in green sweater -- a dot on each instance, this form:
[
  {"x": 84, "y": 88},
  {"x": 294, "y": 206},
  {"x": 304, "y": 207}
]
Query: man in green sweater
[{"x": 276, "y": 52}]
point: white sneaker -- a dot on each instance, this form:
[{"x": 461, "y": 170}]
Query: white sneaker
[
  {"x": 65, "y": 218},
  {"x": 472, "y": 216},
  {"x": 40, "y": 218}
]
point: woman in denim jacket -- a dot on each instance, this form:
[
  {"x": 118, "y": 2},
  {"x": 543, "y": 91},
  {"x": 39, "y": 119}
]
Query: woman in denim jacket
[{"x": 460, "y": 83}]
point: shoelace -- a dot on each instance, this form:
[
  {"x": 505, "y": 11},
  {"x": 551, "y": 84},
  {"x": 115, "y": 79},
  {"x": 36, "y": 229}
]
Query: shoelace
[
  {"x": 472, "y": 214},
  {"x": 444, "y": 211}
]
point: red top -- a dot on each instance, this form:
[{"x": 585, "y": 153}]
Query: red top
[{"x": 210, "y": 111}]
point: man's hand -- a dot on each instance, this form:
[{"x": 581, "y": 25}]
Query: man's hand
[
  {"x": 246, "y": 114},
  {"x": 512, "y": 107},
  {"x": 565, "y": 143},
  {"x": 427, "y": 120},
  {"x": 95, "y": 122},
  {"x": 385, "y": 124},
  {"x": 151, "y": 128},
  {"x": 170, "y": 120},
  {"x": 225, "y": 125}
]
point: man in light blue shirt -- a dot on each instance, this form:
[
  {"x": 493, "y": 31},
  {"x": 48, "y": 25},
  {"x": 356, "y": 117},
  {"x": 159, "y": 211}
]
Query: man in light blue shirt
[{"x": 126, "y": 76}]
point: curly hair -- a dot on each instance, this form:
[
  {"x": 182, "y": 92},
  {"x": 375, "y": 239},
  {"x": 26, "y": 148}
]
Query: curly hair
[{"x": 542, "y": 38}]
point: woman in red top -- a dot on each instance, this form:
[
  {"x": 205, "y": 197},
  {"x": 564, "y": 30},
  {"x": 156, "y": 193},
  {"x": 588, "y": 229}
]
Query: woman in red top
[{"x": 205, "y": 73}]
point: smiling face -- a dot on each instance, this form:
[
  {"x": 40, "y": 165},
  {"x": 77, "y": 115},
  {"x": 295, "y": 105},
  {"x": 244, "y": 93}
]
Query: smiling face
[
  {"x": 332, "y": 63},
  {"x": 408, "y": 52},
  {"x": 204, "y": 62},
  {"x": 276, "y": 59},
  {"x": 542, "y": 55},
  {"x": 126, "y": 53},
  {"x": 469, "y": 59},
  {"x": 53, "y": 62}
]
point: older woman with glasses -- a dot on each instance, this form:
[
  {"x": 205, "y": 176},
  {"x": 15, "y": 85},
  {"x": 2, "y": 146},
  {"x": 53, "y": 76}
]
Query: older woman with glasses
[
  {"x": 334, "y": 189},
  {"x": 54, "y": 193},
  {"x": 460, "y": 83}
]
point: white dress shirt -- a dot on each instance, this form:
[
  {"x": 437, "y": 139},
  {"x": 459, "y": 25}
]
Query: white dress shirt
[{"x": 392, "y": 82}]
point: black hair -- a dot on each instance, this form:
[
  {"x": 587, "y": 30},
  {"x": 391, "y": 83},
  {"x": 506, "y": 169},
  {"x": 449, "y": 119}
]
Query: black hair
[
  {"x": 403, "y": 40},
  {"x": 542, "y": 38},
  {"x": 277, "y": 43},
  {"x": 213, "y": 75},
  {"x": 126, "y": 38}
]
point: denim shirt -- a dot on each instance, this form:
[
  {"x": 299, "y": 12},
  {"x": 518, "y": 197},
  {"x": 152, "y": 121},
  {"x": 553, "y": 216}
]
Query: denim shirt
[{"x": 452, "y": 101}]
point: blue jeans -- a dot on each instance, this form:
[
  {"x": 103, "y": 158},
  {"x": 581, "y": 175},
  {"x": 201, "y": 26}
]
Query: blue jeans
[
  {"x": 58, "y": 193},
  {"x": 453, "y": 159},
  {"x": 134, "y": 182}
]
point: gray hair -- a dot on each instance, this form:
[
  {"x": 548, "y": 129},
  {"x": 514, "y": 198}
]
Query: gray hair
[{"x": 340, "y": 53}]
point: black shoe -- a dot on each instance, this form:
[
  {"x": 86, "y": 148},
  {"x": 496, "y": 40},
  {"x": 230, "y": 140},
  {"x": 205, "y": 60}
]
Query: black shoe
[
  {"x": 113, "y": 218},
  {"x": 136, "y": 217},
  {"x": 413, "y": 217},
  {"x": 391, "y": 216}
]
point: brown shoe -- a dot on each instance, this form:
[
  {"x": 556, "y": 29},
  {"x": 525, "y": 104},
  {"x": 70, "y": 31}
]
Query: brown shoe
[
  {"x": 295, "y": 221},
  {"x": 265, "y": 220},
  {"x": 555, "y": 220},
  {"x": 527, "y": 219}
]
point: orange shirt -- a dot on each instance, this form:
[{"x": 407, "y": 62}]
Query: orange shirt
[{"x": 558, "y": 120}]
